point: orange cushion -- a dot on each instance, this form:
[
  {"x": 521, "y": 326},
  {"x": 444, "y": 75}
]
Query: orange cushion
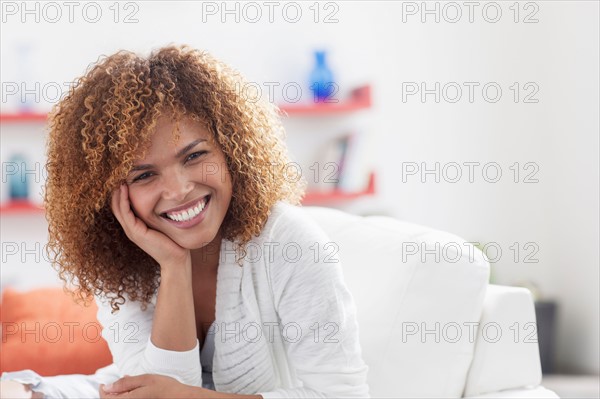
[{"x": 46, "y": 331}]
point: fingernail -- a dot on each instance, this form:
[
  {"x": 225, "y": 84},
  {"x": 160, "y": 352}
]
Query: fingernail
[{"x": 108, "y": 387}]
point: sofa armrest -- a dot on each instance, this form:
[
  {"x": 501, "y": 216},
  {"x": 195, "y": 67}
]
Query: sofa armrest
[{"x": 506, "y": 349}]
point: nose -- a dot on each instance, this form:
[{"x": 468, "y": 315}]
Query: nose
[{"x": 176, "y": 186}]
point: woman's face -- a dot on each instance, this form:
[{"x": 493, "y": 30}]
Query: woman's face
[{"x": 182, "y": 189}]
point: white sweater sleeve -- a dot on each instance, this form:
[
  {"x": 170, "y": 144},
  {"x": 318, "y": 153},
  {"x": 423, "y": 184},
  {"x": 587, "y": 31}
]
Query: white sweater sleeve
[
  {"x": 127, "y": 333},
  {"x": 310, "y": 294}
]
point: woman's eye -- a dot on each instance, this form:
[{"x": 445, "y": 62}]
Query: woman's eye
[
  {"x": 190, "y": 157},
  {"x": 195, "y": 155},
  {"x": 142, "y": 176}
]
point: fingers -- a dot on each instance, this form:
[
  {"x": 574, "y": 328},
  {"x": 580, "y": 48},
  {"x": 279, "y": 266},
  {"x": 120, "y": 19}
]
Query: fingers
[
  {"x": 13, "y": 389},
  {"x": 125, "y": 384},
  {"x": 102, "y": 393},
  {"x": 115, "y": 203},
  {"x": 121, "y": 208},
  {"x": 125, "y": 207}
]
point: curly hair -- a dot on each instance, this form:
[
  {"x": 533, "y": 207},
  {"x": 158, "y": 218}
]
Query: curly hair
[{"x": 104, "y": 124}]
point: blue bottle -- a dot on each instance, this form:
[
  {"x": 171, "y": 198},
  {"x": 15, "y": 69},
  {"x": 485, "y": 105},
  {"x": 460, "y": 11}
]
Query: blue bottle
[
  {"x": 17, "y": 182},
  {"x": 322, "y": 84}
]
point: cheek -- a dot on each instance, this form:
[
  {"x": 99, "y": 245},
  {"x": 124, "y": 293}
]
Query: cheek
[
  {"x": 140, "y": 201},
  {"x": 226, "y": 182},
  {"x": 218, "y": 176}
]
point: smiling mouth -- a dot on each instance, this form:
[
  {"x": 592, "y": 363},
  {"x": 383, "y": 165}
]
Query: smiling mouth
[{"x": 187, "y": 214}]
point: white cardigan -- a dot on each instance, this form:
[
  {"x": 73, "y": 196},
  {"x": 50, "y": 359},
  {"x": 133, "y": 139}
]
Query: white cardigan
[{"x": 285, "y": 322}]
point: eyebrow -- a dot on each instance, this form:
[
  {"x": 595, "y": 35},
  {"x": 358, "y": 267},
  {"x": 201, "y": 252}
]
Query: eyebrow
[{"x": 179, "y": 154}]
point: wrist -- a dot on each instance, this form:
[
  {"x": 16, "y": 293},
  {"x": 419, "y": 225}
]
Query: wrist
[
  {"x": 190, "y": 392},
  {"x": 178, "y": 260},
  {"x": 180, "y": 268}
]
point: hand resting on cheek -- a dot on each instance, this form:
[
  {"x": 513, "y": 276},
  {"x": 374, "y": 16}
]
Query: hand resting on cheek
[{"x": 155, "y": 243}]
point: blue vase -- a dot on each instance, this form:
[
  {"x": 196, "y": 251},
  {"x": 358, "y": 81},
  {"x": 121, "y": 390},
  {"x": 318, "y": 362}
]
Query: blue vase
[
  {"x": 322, "y": 84},
  {"x": 18, "y": 184}
]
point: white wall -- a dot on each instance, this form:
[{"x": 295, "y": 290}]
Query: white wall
[{"x": 558, "y": 215}]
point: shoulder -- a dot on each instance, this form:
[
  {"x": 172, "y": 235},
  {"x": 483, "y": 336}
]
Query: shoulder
[
  {"x": 296, "y": 245},
  {"x": 287, "y": 221},
  {"x": 282, "y": 212}
]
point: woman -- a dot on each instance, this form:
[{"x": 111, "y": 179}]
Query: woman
[{"x": 169, "y": 201}]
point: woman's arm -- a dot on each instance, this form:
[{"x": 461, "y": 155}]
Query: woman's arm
[
  {"x": 128, "y": 334},
  {"x": 158, "y": 387},
  {"x": 162, "y": 339},
  {"x": 174, "y": 326}
]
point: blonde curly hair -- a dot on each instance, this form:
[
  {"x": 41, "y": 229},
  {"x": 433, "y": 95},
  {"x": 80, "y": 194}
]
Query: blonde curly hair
[{"x": 104, "y": 125}]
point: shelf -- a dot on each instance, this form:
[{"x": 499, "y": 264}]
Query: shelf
[
  {"x": 360, "y": 98},
  {"x": 318, "y": 198},
  {"x": 20, "y": 208},
  {"x": 23, "y": 117}
]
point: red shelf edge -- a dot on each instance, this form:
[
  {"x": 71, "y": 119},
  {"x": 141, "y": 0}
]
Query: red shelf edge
[
  {"x": 20, "y": 207},
  {"x": 360, "y": 99},
  {"x": 24, "y": 117},
  {"x": 316, "y": 197}
]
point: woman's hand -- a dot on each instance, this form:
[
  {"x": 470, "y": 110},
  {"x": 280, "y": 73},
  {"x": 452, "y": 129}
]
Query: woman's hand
[
  {"x": 147, "y": 386},
  {"x": 156, "y": 244},
  {"x": 154, "y": 386},
  {"x": 16, "y": 390}
]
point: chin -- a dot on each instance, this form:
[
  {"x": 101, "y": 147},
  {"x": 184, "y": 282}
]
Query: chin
[
  {"x": 196, "y": 243},
  {"x": 192, "y": 245}
]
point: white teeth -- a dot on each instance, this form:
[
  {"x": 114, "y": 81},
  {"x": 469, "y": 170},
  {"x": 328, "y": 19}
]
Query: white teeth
[{"x": 187, "y": 214}]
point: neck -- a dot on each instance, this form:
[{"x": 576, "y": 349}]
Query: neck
[{"x": 206, "y": 259}]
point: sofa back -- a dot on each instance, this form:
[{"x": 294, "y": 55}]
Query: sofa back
[{"x": 419, "y": 295}]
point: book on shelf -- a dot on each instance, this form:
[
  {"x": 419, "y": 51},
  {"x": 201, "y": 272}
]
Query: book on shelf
[
  {"x": 343, "y": 165},
  {"x": 355, "y": 168},
  {"x": 325, "y": 172}
]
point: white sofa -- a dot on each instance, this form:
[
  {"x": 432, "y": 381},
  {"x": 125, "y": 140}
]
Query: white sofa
[{"x": 430, "y": 324}]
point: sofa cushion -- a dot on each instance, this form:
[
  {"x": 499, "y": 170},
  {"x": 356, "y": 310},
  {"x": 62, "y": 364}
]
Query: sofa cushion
[
  {"x": 419, "y": 294},
  {"x": 46, "y": 331}
]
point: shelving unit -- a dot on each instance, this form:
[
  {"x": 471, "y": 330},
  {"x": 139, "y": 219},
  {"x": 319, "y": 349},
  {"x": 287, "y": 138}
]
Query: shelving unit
[
  {"x": 22, "y": 207},
  {"x": 360, "y": 99},
  {"x": 336, "y": 196},
  {"x": 23, "y": 117}
]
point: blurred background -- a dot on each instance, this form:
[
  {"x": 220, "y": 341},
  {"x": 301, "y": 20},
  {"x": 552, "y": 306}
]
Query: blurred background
[{"x": 479, "y": 119}]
